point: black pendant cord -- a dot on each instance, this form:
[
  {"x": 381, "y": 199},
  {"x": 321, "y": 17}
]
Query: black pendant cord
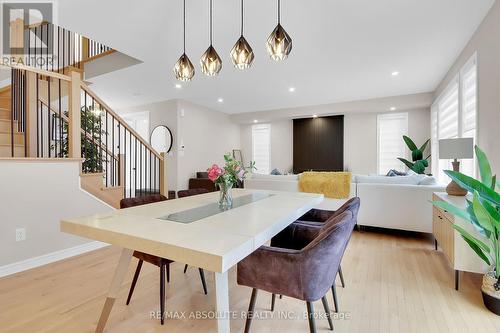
[
  {"x": 241, "y": 18},
  {"x": 184, "y": 24},
  {"x": 279, "y": 11},
  {"x": 210, "y": 22}
]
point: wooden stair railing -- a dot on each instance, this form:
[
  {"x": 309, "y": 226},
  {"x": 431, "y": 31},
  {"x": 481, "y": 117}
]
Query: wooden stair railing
[{"x": 59, "y": 116}]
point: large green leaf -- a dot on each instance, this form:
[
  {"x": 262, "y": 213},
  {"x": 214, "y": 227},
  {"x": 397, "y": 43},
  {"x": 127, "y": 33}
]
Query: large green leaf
[
  {"x": 419, "y": 166},
  {"x": 416, "y": 155},
  {"x": 474, "y": 221},
  {"x": 482, "y": 215},
  {"x": 422, "y": 149},
  {"x": 485, "y": 249},
  {"x": 409, "y": 142},
  {"x": 472, "y": 185},
  {"x": 484, "y": 166},
  {"x": 406, "y": 162},
  {"x": 452, "y": 209},
  {"x": 478, "y": 251}
]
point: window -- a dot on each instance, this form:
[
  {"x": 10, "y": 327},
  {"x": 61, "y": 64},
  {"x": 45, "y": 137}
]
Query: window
[
  {"x": 390, "y": 144},
  {"x": 261, "y": 148},
  {"x": 453, "y": 115}
]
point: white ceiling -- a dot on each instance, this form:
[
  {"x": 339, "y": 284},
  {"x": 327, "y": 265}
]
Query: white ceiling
[{"x": 343, "y": 50}]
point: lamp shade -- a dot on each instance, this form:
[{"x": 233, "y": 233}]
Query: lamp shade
[{"x": 461, "y": 148}]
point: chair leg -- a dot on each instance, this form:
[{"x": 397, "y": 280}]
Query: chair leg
[
  {"x": 134, "y": 281},
  {"x": 273, "y": 300},
  {"x": 310, "y": 316},
  {"x": 251, "y": 308},
  {"x": 341, "y": 277},
  {"x": 168, "y": 272},
  {"x": 335, "y": 301},
  {"x": 327, "y": 310},
  {"x": 185, "y": 268},
  {"x": 163, "y": 268},
  {"x": 203, "y": 282}
]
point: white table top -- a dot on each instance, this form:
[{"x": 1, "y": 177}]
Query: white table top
[{"x": 215, "y": 243}]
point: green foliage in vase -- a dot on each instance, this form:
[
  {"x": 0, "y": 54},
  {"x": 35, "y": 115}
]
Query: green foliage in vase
[
  {"x": 417, "y": 155},
  {"x": 482, "y": 212}
]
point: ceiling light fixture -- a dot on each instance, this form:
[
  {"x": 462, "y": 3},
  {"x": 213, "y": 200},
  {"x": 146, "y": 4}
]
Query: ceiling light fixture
[
  {"x": 220, "y": 100},
  {"x": 242, "y": 53},
  {"x": 315, "y": 116},
  {"x": 183, "y": 68},
  {"x": 178, "y": 86},
  {"x": 396, "y": 73},
  {"x": 393, "y": 108},
  {"x": 255, "y": 121},
  {"x": 291, "y": 89},
  {"x": 279, "y": 43},
  {"x": 211, "y": 63}
]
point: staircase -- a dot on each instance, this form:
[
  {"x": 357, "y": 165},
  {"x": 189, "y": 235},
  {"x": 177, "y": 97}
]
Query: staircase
[
  {"x": 54, "y": 115},
  {"x": 6, "y": 125}
]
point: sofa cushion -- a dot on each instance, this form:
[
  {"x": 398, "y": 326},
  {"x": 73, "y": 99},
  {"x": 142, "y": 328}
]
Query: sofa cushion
[
  {"x": 406, "y": 180},
  {"x": 428, "y": 180}
]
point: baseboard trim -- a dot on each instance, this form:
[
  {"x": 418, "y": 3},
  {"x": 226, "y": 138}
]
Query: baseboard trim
[{"x": 48, "y": 258}]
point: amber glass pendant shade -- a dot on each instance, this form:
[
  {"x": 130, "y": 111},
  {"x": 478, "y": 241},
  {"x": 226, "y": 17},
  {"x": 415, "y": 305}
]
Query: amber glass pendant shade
[
  {"x": 242, "y": 54},
  {"x": 184, "y": 69},
  {"x": 279, "y": 44},
  {"x": 210, "y": 62}
]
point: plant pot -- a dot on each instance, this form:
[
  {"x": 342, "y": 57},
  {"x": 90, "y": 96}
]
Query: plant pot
[{"x": 491, "y": 296}]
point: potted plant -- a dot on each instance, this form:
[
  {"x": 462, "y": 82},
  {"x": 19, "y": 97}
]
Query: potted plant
[
  {"x": 226, "y": 177},
  {"x": 483, "y": 213},
  {"x": 417, "y": 155}
]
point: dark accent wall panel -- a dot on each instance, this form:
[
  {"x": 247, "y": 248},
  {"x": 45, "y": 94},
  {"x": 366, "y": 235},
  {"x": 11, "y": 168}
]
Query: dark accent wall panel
[{"x": 318, "y": 144}]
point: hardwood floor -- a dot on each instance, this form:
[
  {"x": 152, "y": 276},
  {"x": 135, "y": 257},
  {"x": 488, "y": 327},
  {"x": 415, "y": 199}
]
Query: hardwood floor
[{"x": 394, "y": 283}]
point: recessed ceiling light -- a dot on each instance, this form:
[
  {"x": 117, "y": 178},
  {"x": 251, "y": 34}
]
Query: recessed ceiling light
[
  {"x": 291, "y": 89},
  {"x": 255, "y": 121},
  {"x": 220, "y": 100},
  {"x": 396, "y": 73},
  {"x": 315, "y": 116},
  {"x": 393, "y": 108},
  {"x": 178, "y": 86}
]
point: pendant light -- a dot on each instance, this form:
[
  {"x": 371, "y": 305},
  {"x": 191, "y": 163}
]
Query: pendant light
[
  {"x": 279, "y": 43},
  {"x": 184, "y": 69},
  {"x": 211, "y": 63},
  {"x": 242, "y": 54}
]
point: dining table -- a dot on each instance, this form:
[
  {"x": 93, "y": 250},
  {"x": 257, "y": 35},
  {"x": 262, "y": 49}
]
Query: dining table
[{"x": 194, "y": 231}]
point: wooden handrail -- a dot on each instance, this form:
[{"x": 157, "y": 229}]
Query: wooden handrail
[
  {"x": 120, "y": 120},
  {"x": 41, "y": 72},
  {"x": 87, "y": 135}
]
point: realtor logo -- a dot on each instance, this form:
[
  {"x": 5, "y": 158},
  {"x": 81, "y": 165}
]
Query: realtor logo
[{"x": 17, "y": 17}]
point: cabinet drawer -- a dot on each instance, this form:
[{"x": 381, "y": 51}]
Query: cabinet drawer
[{"x": 445, "y": 234}]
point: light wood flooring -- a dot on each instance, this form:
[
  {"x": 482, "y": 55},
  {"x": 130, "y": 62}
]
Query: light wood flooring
[{"x": 395, "y": 283}]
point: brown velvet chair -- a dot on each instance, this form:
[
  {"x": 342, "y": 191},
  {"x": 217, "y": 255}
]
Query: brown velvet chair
[
  {"x": 307, "y": 224},
  {"x": 162, "y": 263},
  {"x": 306, "y": 274},
  {"x": 192, "y": 191}
]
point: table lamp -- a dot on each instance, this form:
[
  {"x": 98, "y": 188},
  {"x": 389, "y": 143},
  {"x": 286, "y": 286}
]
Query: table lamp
[{"x": 456, "y": 149}]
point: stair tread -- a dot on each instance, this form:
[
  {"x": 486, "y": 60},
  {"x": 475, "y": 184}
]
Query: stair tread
[
  {"x": 8, "y": 145},
  {"x": 92, "y": 174}
]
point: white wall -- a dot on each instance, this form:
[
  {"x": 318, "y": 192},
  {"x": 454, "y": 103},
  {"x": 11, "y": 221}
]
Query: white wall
[
  {"x": 281, "y": 144},
  {"x": 360, "y": 140},
  {"x": 52, "y": 192},
  {"x": 487, "y": 44},
  {"x": 205, "y": 134}
]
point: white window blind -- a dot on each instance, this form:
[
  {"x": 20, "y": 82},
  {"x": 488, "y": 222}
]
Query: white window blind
[
  {"x": 261, "y": 148},
  {"x": 453, "y": 115},
  {"x": 390, "y": 131}
]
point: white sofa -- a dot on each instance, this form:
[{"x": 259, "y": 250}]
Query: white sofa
[{"x": 386, "y": 202}]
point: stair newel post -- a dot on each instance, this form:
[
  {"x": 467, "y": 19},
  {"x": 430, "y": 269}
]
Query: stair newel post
[
  {"x": 74, "y": 127},
  {"x": 163, "y": 175},
  {"x": 31, "y": 114}
]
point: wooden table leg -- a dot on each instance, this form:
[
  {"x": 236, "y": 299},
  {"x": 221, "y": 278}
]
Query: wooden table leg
[
  {"x": 120, "y": 272},
  {"x": 222, "y": 299}
]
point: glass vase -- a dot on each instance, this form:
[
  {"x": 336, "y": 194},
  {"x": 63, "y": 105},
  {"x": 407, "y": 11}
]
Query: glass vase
[{"x": 225, "y": 196}]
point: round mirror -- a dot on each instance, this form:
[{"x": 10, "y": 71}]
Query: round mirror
[{"x": 161, "y": 139}]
